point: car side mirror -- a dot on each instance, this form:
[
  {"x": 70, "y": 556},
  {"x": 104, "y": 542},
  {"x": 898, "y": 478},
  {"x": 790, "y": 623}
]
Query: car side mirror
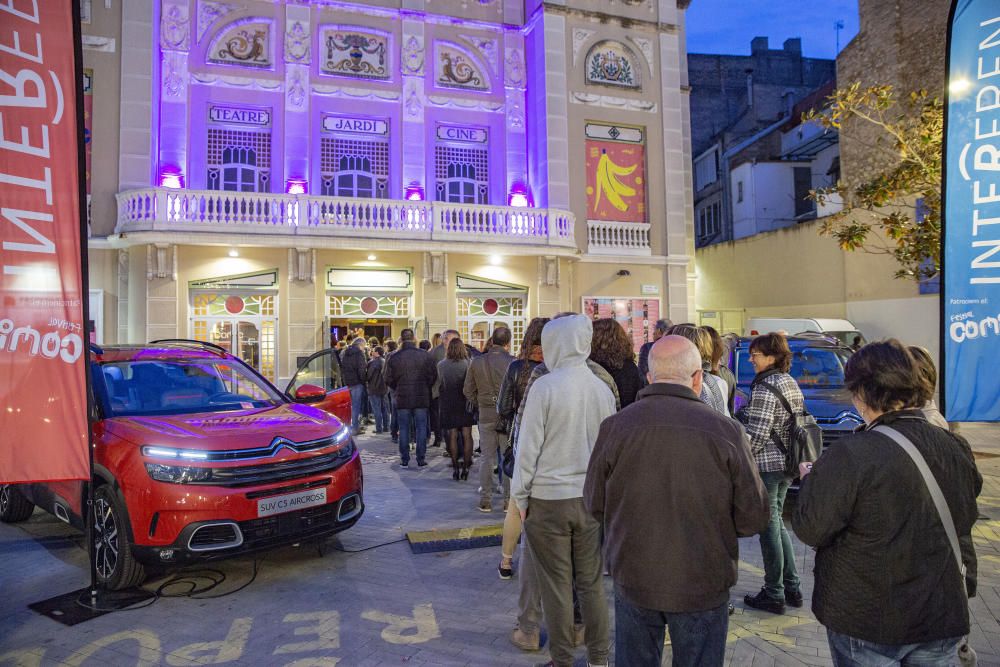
[{"x": 309, "y": 393}]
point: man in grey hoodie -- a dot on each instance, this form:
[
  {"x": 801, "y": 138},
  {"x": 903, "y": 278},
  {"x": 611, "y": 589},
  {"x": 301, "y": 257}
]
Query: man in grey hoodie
[{"x": 557, "y": 433}]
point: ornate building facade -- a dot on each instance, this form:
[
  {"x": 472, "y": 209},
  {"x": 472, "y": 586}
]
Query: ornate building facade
[{"x": 283, "y": 171}]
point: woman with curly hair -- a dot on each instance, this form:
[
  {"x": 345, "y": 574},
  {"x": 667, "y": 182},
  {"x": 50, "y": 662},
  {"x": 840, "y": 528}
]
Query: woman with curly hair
[{"x": 612, "y": 350}]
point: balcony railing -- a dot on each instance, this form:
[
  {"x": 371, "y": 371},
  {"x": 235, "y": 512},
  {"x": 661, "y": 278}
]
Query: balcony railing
[
  {"x": 618, "y": 238},
  {"x": 164, "y": 209}
]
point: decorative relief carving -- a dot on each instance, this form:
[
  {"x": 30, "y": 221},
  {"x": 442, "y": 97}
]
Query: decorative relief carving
[
  {"x": 435, "y": 268},
  {"x": 296, "y": 81},
  {"x": 580, "y": 36},
  {"x": 175, "y": 32},
  {"x": 174, "y": 75},
  {"x": 301, "y": 265},
  {"x": 515, "y": 110},
  {"x": 296, "y": 42},
  {"x": 513, "y": 68},
  {"x": 209, "y": 12},
  {"x": 414, "y": 107},
  {"x": 413, "y": 55},
  {"x": 456, "y": 68},
  {"x": 646, "y": 47},
  {"x": 611, "y": 102},
  {"x": 237, "y": 81},
  {"x": 548, "y": 271},
  {"x": 355, "y": 93},
  {"x": 612, "y": 64},
  {"x": 446, "y": 102},
  {"x": 356, "y": 53},
  {"x": 245, "y": 43},
  {"x": 486, "y": 46},
  {"x": 159, "y": 263}
]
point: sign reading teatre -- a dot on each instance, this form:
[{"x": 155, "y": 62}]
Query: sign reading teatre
[
  {"x": 355, "y": 125},
  {"x": 218, "y": 114}
]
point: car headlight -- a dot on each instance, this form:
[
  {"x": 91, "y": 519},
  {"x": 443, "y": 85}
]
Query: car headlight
[
  {"x": 178, "y": 474},
  {"x": 343, "y": 434},
  {"x": 155, "y": 452}
]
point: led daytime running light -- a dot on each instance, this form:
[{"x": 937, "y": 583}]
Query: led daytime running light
[{"x": 170, "y": 453}]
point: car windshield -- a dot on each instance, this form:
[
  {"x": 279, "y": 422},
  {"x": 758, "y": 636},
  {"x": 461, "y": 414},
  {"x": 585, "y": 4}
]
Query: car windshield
[
  {"x": 176, "y": 386},
  {"x": 811, "y": 367}
]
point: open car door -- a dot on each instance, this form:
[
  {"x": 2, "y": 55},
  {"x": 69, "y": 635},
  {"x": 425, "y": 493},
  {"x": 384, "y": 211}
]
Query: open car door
[{"x": 322, "y": 370}]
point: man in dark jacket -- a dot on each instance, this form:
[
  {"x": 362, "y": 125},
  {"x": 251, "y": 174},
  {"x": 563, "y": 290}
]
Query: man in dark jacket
[
  {"x": 353, "y": 364},
  {"x": 482, "y": 387},
  {"x": 671, "y": 460},
  {"x": 378, "y": 392},
  {"x": 411, "y": 372}
]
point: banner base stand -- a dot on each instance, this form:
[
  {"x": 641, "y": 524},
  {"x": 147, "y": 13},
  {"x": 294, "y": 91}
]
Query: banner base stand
[{"x": 75, "y": 607}]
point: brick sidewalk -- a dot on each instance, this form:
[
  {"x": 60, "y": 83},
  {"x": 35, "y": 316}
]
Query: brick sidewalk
[{"x": 364, "y": 604}]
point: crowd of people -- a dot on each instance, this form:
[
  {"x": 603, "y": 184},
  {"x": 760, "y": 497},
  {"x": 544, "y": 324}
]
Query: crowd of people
[{"x": 640, "y": 468}]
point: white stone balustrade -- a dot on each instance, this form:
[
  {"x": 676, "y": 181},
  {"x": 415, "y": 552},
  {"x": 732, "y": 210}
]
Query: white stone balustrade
[
  {"x": 173, "y": 210},
  {"x": 618, "y": 238}
]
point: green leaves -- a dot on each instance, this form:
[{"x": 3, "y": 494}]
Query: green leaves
[{"x": 880, "y": 215}]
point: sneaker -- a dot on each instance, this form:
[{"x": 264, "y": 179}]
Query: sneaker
[
  {"x": 764, "y": 603},
  {"x": 793, "y": 599},
  {"x": 405, "y": 464},
  {"x": 732, "y": 609},
  {"x": 421, "y": 464},
  {"x": 485, "y": 506},
  {"x": 506, "y": 572},
  {"x": 529, "y": 642},
  {"x": 395, "y": 437}
]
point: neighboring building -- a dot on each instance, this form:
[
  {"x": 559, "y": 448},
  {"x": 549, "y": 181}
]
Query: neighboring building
[
  {"x": 795, "y": 272},
  {"x": 738, "y": 106},
  {"x": 287, "y": 170}
]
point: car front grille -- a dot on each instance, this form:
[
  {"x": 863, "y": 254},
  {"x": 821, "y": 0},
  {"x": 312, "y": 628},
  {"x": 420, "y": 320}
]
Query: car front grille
[
  {"x": 278, "y": 529},
  {"x": 215, "y": 536},
  {"x": 267, "y": 473}
]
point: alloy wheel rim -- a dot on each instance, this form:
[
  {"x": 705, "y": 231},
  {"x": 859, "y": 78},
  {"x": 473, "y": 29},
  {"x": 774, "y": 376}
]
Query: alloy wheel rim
[
  {"x": 105, "y": 539},
  {"x": 4, "y": 499}
]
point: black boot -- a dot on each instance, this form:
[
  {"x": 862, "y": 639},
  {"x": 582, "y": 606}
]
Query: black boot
[{"x": 764, "y": 602}]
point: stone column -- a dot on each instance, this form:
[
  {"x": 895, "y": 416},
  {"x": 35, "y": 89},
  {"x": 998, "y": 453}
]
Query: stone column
[
  {"x": 172, "y": 137},
  {"x": 303, "y": 336},
  {"x": 297, "y": 98},
  {"x": 412, "y": 131},
  {"x": 437, "y": 307},
  {"x": 161, "y": 293}
]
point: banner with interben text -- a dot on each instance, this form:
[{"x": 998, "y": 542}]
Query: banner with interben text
[{"x": 43, "y": 352}]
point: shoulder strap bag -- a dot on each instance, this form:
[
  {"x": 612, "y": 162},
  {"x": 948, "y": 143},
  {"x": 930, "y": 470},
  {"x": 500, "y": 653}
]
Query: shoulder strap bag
[
  {"x": 805, "y": 436},
  {"x": 966, "y": 654}
]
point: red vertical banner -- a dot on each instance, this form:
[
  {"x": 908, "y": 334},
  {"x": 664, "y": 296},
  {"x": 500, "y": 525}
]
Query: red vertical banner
[{"x": 43, "y": 352}]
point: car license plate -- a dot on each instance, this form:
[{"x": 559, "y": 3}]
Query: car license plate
[{"x": 290, "y": 502}]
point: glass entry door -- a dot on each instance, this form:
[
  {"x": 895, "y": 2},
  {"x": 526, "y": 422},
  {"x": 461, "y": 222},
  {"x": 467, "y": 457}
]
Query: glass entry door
[{"x": 245, "y": 326}]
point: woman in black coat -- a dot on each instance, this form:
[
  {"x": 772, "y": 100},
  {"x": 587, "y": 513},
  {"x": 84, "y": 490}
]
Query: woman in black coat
[
  {"x": 455, "y": 414},
  {"x": 612, "y": 349},
  {"x": 888, "y": 581}
]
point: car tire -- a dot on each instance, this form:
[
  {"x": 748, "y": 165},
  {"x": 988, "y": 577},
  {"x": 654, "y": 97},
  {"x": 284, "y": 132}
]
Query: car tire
[
  {"x": 116, "y": 566},
  {"x": 14, "y": 506}
]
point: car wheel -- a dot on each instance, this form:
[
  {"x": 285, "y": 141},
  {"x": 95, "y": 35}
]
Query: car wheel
[
  {"x": 14, "y": 507},
  {"x": 116, "y": 566}
]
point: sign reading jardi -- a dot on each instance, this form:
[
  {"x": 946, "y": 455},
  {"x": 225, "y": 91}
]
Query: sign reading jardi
[{"x": 971, "y": 292}]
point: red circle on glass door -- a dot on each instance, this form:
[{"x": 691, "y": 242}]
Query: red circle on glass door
[
  {"x": 369, "y": 306},
  {"x": 235, "y": 305},
  {"x": 490, "y": 306}
]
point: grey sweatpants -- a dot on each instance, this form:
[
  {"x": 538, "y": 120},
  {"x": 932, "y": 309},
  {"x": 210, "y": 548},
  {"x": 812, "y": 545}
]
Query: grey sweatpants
[
  {"x": 489, "y": 443},
  {"x": 565, "y": 542}
]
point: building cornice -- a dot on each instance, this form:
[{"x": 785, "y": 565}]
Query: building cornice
[{"x": 651, "y": 260}]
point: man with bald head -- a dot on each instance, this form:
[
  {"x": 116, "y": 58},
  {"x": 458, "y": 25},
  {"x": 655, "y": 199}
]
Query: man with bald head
[{"x": 675, "y": 485}]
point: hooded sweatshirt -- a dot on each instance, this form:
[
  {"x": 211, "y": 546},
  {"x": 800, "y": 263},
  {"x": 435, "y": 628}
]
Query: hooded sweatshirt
[{"x": 562, "y": 416}]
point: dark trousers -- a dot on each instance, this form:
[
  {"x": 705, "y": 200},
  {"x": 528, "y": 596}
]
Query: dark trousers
[
  {"x": 380, "y": 408},
  {"x": 357, "y": 401},
  {"x": 412, "y": 420},
  {"x": 566, "y": 543},
  {"x": 697, "y": 638},
  {"x": 435, "y": 419},
  {"x": 393, "y": 416}
]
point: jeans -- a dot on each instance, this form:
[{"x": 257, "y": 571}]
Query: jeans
[
  {"x": 380, "y": 407},
  {"x": 775, "y": 544},
  {"x": 697, "y": 638},
  {"x": 489, "y": 443},
  {"x": 851, "y": 652},
  {"x": 565, "y": 541},
  {"x": 393, "y": 416},
  {"x": 417, "y": 419},
  {"x": 357, "y": 405}
]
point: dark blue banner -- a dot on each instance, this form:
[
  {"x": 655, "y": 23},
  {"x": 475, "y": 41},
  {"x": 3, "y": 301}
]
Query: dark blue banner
[{"x": 971, "y": 295}]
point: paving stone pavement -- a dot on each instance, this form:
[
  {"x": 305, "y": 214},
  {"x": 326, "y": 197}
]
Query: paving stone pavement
[{"x": 363, "y": 599}]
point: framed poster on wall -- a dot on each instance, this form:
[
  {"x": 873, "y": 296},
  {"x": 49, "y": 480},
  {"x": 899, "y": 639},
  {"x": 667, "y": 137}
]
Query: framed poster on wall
[{"x": 636, "y": 314}]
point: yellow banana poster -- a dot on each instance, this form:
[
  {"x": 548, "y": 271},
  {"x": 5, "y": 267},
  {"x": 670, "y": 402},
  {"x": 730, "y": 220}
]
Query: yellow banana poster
[{"x": 616, "y": 181}]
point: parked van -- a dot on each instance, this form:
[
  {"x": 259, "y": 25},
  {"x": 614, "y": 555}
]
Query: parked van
[{"x": 843, "y": 330}]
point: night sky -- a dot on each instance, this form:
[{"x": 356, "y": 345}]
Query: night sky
[{"x": 727, "y": 26}]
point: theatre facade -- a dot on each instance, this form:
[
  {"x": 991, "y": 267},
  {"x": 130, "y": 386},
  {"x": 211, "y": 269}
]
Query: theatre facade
[{"x": 268, "y": 175}]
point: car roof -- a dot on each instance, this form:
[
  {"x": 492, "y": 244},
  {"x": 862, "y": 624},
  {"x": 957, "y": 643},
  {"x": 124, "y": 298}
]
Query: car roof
[
  {"x": 162, "y": 351},
  {"x": 796, "y": 342}
]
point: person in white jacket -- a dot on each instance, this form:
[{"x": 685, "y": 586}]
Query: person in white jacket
[{"x": 561, "y": 420}]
